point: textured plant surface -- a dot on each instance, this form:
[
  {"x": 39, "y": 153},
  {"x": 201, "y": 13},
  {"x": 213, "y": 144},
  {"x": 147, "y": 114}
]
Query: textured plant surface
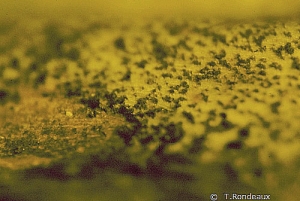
[{"x": 149, "y": 110}]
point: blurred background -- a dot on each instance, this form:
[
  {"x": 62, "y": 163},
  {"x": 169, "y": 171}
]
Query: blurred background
[{"x": 233, "y": 9}]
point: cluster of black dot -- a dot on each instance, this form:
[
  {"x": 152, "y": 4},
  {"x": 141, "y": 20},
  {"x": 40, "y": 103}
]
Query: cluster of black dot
[{"x": 167, "y": 79}]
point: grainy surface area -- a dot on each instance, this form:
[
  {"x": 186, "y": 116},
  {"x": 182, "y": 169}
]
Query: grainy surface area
[{"x": 160, "y": 109}]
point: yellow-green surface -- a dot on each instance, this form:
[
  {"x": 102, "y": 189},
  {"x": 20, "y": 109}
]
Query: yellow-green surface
[{"x": 160, "y": 109}]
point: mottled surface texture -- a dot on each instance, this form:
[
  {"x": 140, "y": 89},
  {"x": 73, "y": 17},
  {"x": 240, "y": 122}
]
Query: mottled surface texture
[{"x": 149, "y": 110}]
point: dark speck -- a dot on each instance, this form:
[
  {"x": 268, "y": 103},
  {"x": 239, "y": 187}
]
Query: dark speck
[
  {"x": 288, "y": 48},
  {"x": 262, "y": 72},
  {"x": 266, "y": 84},
  {"x": 223, "y": 115},
  {"x": 296, "y": 63},
  {"x": 261, "y": 66},
  {"x": 221, "y": 55},
  {"x": 164, "y": 75},
  {"x": 189, "y": 117},
  {"x": 127, "y": 113},
  {"x": 3, "y": 96},
  {"x": 198, "y": 145},
  {"x": 204, "y": 97},
  {"x": 276, "y": 66},
  {"x": 151, "y": 113},
  {"x": 211, "y": 63},
  {"x": 125, "y": 133},
  {"x": 126, "y": 76},
  {"x": 174, "y": 132},
  {"x": 234, "y": 145},
  {"x": 274, "y": 107},
  {"x": 160, "y": 51},
  {"x": 142, "y": 63},
  {"x": 258, "y": 40},
  {"x": 120, "y": 43},
  {"x": 258, "y": 172},
  {"x": 244, "y": 132},
  {"x": 15, "y": 63},
  {"x": 93, "y": 103},
  {"x": 287, "y": 34},
  {"x": 226, "y": 124},
  {"x": 196, "y": 62},
  {"x": 146, "y": 140},
  {"x": 247, "y": 33},
  {"x": 40, "y": 79},
  {"x": 232, "y": 175}
]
